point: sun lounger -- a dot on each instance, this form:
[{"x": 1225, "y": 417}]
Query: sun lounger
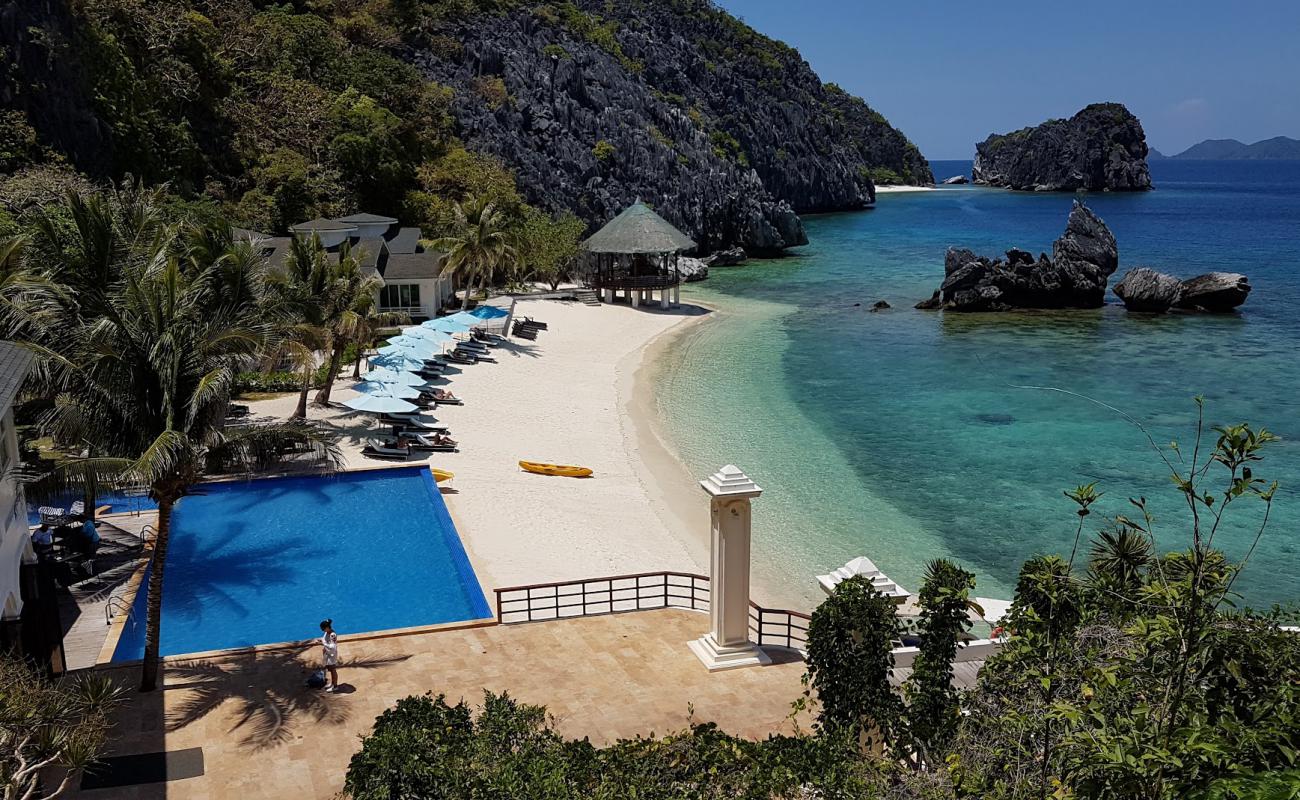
[
  {"x": 542, "y": 326},
  {"x": 451, "y": 401},
  {"x": 415, "y": 422},
  {"x": 425, "y": 444},
  {"x": 458, "y": 358},
  {"x": 377, "y": 449}
]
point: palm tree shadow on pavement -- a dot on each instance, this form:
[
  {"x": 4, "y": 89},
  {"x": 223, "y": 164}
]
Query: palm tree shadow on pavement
[{"x": 268, "y": 689}]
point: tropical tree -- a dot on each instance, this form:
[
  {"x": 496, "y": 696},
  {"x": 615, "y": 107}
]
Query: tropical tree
[
  {"x": 369, "y": 319},
  {"x": 352, "y": 312},
  {"x": 480, "y": 243},
  {"x": 933, "y": 710},
  {"x": 49, "y": 725},
  {"x": 301, "y": 299},
  {"x": 547, "y": 245},
  {"x": 139, "y": 342}
]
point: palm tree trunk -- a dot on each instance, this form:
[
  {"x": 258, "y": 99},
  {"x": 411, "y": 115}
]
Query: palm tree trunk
[
  {"x": 153, "y": 605},
  {"x": 336, "y": 356},
  {"x": 356, "y": 366},
  {"x": 301, "y": 411}
]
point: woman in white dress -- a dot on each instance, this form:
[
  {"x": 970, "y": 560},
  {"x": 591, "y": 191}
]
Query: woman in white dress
[{"x": 329, "y": 641}]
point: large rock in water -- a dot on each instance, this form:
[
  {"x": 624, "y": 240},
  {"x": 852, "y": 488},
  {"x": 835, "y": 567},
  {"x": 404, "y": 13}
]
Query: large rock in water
[
  {"x": 1075, "y": 276},
  {"x": 1102, "y": 148},
  {"x": 1144, "y": 289},
  {"x": 1215, "y": 292}
]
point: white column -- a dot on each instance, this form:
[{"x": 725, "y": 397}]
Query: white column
[
  {"x": 727, "y": 645},
  {"x": 663, "y": 298},
  {"x": 635, "y": 296},
  {"x": 609, "y": 296},
  {"x": 677, "y": 294}
]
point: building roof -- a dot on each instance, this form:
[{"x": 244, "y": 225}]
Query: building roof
[
  {"x": 368, "y": 251},
  {"x": 413, "y": 266},
  {"x": 406, "y": 240},
  {"x": 14, "y": 362},
  {"x": 638, "y": 230},
  {"x": 367, "y": 219},
  {"x": 243, "y": 234},
  {"x": 321, "y": 224}
]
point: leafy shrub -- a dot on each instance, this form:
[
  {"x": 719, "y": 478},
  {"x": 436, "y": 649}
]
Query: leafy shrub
[{"x": 603, "y": 151}]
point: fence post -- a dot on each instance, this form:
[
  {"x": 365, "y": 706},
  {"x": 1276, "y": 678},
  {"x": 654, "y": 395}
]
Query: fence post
[{"x": 727, "y": 644}]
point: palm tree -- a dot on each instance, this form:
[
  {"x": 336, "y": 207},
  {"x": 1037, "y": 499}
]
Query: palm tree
[
  {"x": 138, "y": 340},
  {"x": 354, "y": 295},
  {"x": 369, "y": 319},
  {"x": 479, "y": 245},
  {"x": 1118, "y": 559},
  {"x": 300, "y": 297}
]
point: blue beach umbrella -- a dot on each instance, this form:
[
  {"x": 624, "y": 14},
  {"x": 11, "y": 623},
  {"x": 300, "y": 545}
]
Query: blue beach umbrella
[
  {"x": 397, "y": 390},
  {"x": 400, "y": 360},
  {"x": 427, "y": 334},
  {"x": 467, "y": 319},
  {"x": 380, "y": 404},
  {"x": 385, "y": 375},
  {"x": 490, "y": 312},
  {"x": 410, "y": 342},
  {"x": 445, "y": 324}
]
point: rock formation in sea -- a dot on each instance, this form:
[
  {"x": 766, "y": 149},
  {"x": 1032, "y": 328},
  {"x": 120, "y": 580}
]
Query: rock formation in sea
[
  {"x": 1101, "y": 148},
  {"x": 956, "y": 180},
  {"x": 1144, "y": 289},
  {"x": 1075, "y": 276},
  {"x": 731, "y": 257},
  {"x": 727, "y": 133},
  {"x": 1215, "y": 292},
  {"x": 692, "y": 269}
]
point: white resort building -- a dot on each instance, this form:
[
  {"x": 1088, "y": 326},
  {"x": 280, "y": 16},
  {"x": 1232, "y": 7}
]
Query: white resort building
[
  {"x": 412, "y": 276},
  {"x": 15, "y": 542}
]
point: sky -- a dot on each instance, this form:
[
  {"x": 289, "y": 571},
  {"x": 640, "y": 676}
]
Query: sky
[{"x": 948, "y": 73}]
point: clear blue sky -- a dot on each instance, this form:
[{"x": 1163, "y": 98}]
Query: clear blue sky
[{"x": 950, "y": 72}]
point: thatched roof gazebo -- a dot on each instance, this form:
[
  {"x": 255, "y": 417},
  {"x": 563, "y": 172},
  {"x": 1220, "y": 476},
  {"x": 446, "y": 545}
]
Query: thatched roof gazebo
[{"x": 636, "y": 253}]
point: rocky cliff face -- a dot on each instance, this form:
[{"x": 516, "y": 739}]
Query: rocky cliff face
[
  {"x": 724, "y": 132},
  {"x": 1102, "y": 148},
  {"x": 1074, "y": 276}
]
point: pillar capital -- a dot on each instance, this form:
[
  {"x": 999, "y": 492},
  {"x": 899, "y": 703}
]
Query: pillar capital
[{"x": 731, "y": 483}]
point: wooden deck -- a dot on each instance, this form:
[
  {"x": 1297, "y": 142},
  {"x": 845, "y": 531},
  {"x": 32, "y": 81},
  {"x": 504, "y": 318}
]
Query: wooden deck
[{"x": 81, "y": 610}]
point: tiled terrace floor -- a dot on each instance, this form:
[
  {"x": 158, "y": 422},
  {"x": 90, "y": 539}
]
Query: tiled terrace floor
[{"x": 601, "y": 677}]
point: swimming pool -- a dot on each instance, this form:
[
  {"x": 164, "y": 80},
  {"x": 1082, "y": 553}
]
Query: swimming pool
[{"x": 264, "y": 561}]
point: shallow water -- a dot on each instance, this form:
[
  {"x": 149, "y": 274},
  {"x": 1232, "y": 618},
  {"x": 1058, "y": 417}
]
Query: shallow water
[{"x": 903, "y": 435}]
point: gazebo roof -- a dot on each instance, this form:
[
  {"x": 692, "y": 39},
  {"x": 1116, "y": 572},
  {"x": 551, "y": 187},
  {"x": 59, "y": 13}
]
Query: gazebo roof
[{"x": 638, "y": 230}]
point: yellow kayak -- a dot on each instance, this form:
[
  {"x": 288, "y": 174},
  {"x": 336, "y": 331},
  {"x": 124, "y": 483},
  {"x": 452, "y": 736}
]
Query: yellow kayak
[
  {"x": 555, "y": 469},
  {"x": 440, "y": 475}
]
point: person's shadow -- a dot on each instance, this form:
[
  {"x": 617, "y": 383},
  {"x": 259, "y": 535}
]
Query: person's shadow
[{"x": 344, "y": 688}]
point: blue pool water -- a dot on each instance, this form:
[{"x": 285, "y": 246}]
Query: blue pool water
[{"x": 265, "y": 561}]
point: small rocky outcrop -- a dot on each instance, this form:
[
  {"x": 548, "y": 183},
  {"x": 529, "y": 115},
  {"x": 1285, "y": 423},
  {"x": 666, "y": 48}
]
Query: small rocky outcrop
[
  {"x": 1144, "y": 289},
  {"x": 956, "y": 180},
  {"x": 692, "y": 269},
  {"x": 1214, "y": 292},
  {"x": 880, "y": 305},
  {"x": 1075, "y": 276},
  {"x": 1100, "y": 149},
  {"x": 732, "y": 257},
  {"x": 935, "y": 301}
]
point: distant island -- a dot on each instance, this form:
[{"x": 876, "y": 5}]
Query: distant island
[
  {"x": 1279, "y": 148},
  {"x": 1100, "y": 149}
]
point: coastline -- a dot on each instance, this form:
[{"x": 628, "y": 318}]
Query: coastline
[{"x": 903, "y": 188}]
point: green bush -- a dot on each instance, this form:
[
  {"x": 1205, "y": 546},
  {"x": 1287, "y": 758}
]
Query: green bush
[
  {"x": 603, "y": 151},
  {"x": 426, "y": 748}
]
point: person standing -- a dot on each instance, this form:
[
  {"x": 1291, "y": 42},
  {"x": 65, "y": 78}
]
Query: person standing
[{"x": 329, "y": 641}]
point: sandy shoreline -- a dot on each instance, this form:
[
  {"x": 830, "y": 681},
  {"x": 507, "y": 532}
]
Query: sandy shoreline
[
  {"x": 581, "y": 394},
  {"x": 898, "y": 189}
]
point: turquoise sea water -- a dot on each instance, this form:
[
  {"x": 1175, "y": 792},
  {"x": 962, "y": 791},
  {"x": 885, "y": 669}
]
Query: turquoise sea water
[{"x": 900, "y": 435}]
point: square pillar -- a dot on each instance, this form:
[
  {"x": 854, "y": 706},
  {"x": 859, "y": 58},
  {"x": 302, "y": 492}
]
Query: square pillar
[
  {"x": 727, "y": 644},
  {"x": 677, "y": 294},
  {"x": 635, "y": 297},
  {"x": 663, "y": 298}
]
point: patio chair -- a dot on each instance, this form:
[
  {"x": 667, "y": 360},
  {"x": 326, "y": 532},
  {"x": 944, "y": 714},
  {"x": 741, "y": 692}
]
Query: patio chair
[
  {"x": 423, "y": 443},
  {"x": 377, "y": 449}
]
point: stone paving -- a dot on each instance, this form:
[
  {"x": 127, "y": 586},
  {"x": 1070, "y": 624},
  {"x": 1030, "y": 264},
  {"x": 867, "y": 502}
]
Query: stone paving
[{"x": 265, "y": 735}]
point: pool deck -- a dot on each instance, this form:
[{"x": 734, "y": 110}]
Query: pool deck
[
  {"x": 265, "y": 735},
  {"x": 81, "y": 610}
]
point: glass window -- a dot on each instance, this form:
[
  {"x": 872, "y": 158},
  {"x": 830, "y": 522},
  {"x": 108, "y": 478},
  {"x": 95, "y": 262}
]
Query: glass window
[{"x": 400, "y": 295}]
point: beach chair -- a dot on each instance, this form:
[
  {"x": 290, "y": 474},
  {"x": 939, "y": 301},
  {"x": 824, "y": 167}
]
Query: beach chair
[
  {"x": 451, "y": 401},
  {"x": 458, "y": 357},
  {"x": 416, "y": 422},
  {"x": 532, "y": 323},
  {"x": 423, "y": 443},
  {"x": 377, "y": 449}
]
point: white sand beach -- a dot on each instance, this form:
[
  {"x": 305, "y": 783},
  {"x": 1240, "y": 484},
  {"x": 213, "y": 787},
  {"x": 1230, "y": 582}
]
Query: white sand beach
[
  {"x": 570, "y": 397},
  {"x": 899, "y": 189}
]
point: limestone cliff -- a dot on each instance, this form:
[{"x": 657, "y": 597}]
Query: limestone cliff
[{"x": 1100, "y": 149}]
